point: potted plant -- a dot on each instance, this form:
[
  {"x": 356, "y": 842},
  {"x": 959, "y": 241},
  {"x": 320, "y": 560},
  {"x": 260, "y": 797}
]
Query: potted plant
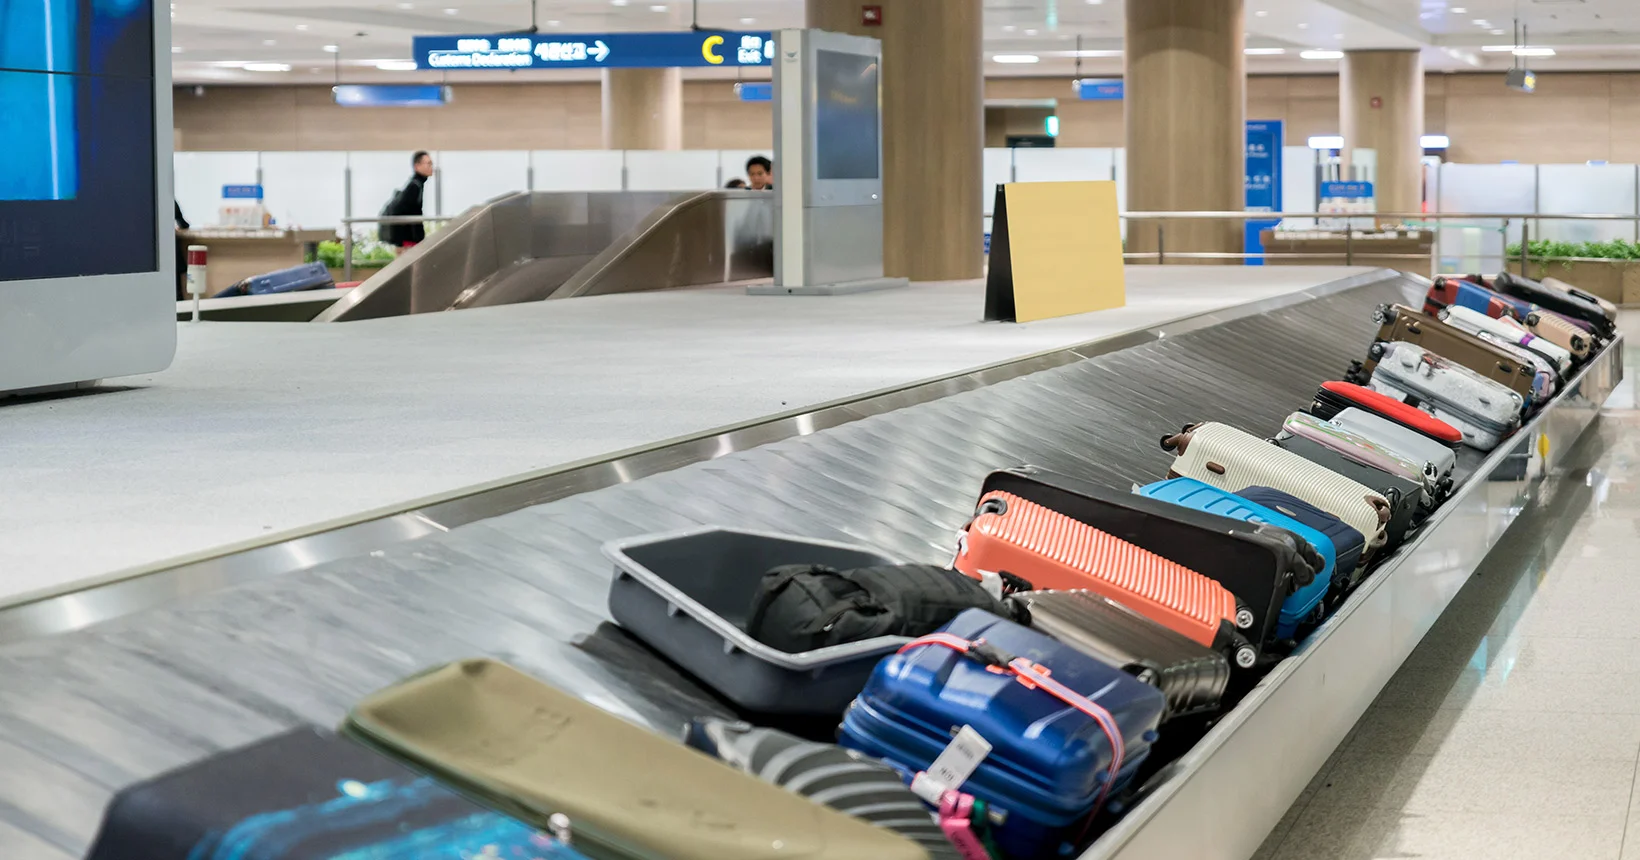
[{"x": 1610, "y": 270}]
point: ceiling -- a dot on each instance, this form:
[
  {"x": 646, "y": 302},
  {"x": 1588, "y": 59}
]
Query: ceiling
[{"x": 324, "y": 39}]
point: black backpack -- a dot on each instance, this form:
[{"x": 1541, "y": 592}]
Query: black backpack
[{"x": 800, "y": 607}]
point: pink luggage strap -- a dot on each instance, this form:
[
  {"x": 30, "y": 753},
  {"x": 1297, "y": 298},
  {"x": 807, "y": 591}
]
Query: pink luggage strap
[
  {"x": 956, "y": 808},
  {"x": 1035, "y": 676}
]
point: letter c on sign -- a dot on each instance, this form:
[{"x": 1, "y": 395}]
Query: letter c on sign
[{"x": 706, "y": 51}]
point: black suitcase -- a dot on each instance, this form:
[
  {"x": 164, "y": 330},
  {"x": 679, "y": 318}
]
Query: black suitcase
[
  {"x": 1191, "y": 676},
  {"x": 1404, "y": 496},
  {"x": 1572, "y": 303},
  {"x": 1260, "y": 564},
  {"x": 307, "y": 795}
]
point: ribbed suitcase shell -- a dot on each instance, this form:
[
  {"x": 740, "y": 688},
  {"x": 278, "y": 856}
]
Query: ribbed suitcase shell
[
  {"x": 1476, "y": 322},
  {"x": 1362, "y": 450},
  {"x": 1191, "y": 676},
  {"x": 1482, "y": 409},
  {"x": 1401, "y": 324},
  {"x": 1413, "y": 445},
  {"x": 1559, "y": 331},
  {"x": 1348, "y": 544},
  {"x": 1405, "y": 497},
  {"x": 1056, "y": 552},
  {"x": 1244, "y": 460},
  {"x": 1191, "y": 493},
  {"x": 1334, "y": 397}
]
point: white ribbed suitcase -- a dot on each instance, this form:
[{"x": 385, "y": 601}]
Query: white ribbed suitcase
[
  {"x": 1230, "y": 459},
  {"x": 1548, "y": 356},
  {"x": 1410, "y": 443},
  {"x": 1362, "y": 449},
  {"x": 1483, "y": 410}
]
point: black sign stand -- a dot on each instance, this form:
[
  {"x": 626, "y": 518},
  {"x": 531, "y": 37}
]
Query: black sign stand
[{"x": 999, "y": 282}]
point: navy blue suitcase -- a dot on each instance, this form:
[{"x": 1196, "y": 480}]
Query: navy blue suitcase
[
  {"x": 308, "y": 276},
  {"x": 1053, "y": 763},
  {"x": 308, "y": 795},
  {"x": 1347, "y": 542}
]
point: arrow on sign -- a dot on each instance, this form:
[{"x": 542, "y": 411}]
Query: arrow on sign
[{"x": 599, "y": 50}]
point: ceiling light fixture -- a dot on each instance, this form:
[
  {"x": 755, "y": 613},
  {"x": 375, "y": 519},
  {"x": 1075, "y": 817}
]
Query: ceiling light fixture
[
  {"x": 407, "y": 5},
  {"x": 301, "y": 26},
  {"x": 1481, "y": 22},
  {"x": 396, "y": 65},
  {"x": 748, "y": 20},
  {"x": 658, "y": 7},
  {"x": 1457, "y": 10},
  {"x": 1338, "y": 36},
  {"x": 1327, "y": 141},
  {"x": 266, "y": 67},
  {"x": 331, "y": 49},
  {"x": 1263, "y": 52},
  {"x": 1321, "y": 55},
  {"x": 269, "y": 42},
  {"x": 618, "y": 2},
  {"x": 1434, "y": 141},
  {"x": 175, "y": 49},
  {"x": 554, "y": 23},
  {"x": 1015, "y": 59},
  {"x": 1520, "y": 50},
  {"x": 451, "y": 11},
  {"x": 1096, "y": 2},
  {"x": 1008, "y": 28},
  {"x": 1262, "y": 13},
  {"x": 1303, "y": 26}
]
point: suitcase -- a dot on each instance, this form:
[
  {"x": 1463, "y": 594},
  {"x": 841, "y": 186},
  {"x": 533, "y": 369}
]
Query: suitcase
[
  {"x": 307, "y": 795},
  {"x": 845, "y": 780},
  {"x": 1263, "y": 566},
  {"x": 1520, "y": 309},
  {"x": 1518, "y": 342},
  {"x": 523, "y": 747},
  {"x": 308, "y": 276},
  {"x": 1557, "y": 284},
  {"x": 1559, "y": 331},
  {"x": 1399, "y": 323},
  {"x": 1405, "y": 497},
  {"x": 1231, "y": 459},
  {"x": 1055, "y": 757},
  {"x": 1191, "y": 677},
  {"x": 1349, "y": 546},
  {"x": 1413, "y": 445},
  {"x": 1516, "y": 332},
  {"x": 1302, "y": 603},
  {"x": 1482, "y": 409},
  {"x": 1364, "y": 450},
  {"x": 1011, "y": 535},
  {"x": 1334, "y": 397},
  {"x": 1572, "y": 303},
  {"x": 1452, "y": 291}
]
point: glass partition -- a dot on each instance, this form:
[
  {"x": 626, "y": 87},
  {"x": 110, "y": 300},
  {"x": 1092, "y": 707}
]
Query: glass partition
[
  {"x": 1478, "y": 245},
  {"x": 1586, "y": 189},
  {"x": 304, "y": 190}
]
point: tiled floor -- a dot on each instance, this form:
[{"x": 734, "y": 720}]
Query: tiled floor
[{"x": 1513, "y": 731}]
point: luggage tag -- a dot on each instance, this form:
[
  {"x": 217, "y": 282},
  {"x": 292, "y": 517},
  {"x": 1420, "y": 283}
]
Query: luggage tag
[{"x": 952, "y": 767}]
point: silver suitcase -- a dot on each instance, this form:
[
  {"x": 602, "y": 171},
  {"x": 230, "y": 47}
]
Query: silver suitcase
[
  {"x": 1475, "y": 322},
  {"x": 1408, "y": 442},
  {"x": 1483, "y": 410},
  {"x": 1363, "y": 449}
]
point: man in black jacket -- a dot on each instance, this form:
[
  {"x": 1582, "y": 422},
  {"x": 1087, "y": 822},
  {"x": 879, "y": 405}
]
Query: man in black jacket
[{"x": 408, "y": 202}]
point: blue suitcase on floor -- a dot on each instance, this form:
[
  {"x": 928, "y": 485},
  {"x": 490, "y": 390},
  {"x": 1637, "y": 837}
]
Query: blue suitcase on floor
[
  {"x": 308, "y": 276},
  {"x": 1303, "y": 602},
  {"x": 1051, "y": 764}
]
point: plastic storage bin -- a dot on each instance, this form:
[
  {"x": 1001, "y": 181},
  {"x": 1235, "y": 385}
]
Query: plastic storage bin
[{"x": 688, "y": 594}]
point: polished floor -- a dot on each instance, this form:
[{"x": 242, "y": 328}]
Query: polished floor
[
  {"x": 263, "y": 428},
  {"x": 1513, "y": 731}
]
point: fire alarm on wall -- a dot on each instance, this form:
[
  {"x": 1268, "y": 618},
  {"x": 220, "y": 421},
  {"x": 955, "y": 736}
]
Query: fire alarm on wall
[
  {"x": 1376, "y": 102},
  {"x": 871, "y": 16}
]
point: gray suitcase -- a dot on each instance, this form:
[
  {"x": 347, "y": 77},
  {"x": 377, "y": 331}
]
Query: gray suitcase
[
  {"x": 1408, "y": 442},
  {"x": 1191, "y": 676},
  {"x": 1483, "y": 410}
]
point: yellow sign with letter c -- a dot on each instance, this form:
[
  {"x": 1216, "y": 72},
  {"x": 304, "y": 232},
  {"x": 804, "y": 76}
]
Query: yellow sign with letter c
[{"x": 706, "y": 50}]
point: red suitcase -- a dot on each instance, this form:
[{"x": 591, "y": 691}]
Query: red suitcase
[{"x": 1054, "y": 551}]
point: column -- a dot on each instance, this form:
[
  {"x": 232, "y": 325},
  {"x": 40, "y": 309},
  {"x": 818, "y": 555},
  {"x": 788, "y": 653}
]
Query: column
[
  {"x": 933, "y": 131},
  {"x": 643, "y": 108},
  {"x": 1185, "y": 104},
  {"x": 1381, "y": 108}
]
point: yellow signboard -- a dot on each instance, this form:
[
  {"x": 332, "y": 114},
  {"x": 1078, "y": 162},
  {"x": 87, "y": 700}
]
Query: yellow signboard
[{"x": 1056, "y": 250}]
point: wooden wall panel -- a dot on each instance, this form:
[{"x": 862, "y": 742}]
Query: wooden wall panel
[{"x": 1567, "y": 120}]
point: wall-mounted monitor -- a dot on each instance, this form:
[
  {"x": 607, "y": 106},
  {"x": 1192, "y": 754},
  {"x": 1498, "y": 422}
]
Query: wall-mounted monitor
[{"x": 87, "y": 277}]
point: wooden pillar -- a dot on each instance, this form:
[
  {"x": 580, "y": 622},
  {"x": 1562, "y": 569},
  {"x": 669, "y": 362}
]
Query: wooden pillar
[
  {"x": 933, "y": 131},
  {"x": 643, "y": 108},
  {"x": 1185, "y": 105},
  {"x": 1381, "y": 108}
]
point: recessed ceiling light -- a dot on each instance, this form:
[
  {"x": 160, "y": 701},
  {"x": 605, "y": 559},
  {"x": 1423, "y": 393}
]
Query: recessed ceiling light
[
  {"x": 301, "y": 26},
  {"x": 618, "y": 2},
  {"x": 658, "y": 7},
  {"x": 1263, "y": 52},
  {"x": 266, "y": 67},
  {"x": 396, "y": 65},
  {"x": 1326, "y": 141},
  {"x": 269, "y": 42},
  {"x": 451, "y": 11},
  {"x": 1008, "y": 28},
  {"x": 175, "y": 49},
  {"x": 1012, "y": 59},
  {"x": 331, "y": 49},
  {"x": 1534, "y": 52},
  {"x": 1321, "y": 55},
  {"x": 1434, "y": 141},
  {"x": 1262, "y": 13},
  {"x": 1095, "y": 2},
  {"x": 554, "y": 23},
  {"x": 1481, "y": 22},
  {"x": 748, "y": 20},
  {"x": 1457, "y": 10},
  {"x": 1495, "y": 33},
  {"x": 407, "y": 5},
  {"x": 1303, "y": 26},
  {"x": 1030, "y": 32},
  {"x": 1338, "y": 35}
]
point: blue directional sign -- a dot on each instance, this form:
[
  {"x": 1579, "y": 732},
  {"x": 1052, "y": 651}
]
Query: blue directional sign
[
  {"x": 1100, "y": 89},
  {"x": 750, "y": 91},
  {"x": 604, "y": 50},
  {"x": 1345, "y": 190}
]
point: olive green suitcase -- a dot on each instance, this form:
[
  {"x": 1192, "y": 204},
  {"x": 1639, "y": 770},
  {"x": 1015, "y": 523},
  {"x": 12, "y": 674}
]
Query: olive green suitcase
[{"x": 522, "y": 746}]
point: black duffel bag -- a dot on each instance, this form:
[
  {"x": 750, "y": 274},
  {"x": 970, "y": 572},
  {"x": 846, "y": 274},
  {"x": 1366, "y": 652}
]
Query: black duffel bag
[{"x": 800, "y": 607}]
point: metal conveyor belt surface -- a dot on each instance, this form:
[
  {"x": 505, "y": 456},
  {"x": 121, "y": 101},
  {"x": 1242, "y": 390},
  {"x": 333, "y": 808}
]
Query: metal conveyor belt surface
[{"x": 84, "y": 713}]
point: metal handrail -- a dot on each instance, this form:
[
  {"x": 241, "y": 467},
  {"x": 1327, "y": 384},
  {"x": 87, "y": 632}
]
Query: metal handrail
[{"x": 347, "y": 232}]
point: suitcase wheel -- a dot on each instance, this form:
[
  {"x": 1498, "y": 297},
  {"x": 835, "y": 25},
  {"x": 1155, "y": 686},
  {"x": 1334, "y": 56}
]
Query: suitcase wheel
[
  {"x": 1384, "y": 314},
  {"x": 1246, "y": 656},
  {"x": 1146, "y": 675},
  {"x": 1244, "y": 617}
]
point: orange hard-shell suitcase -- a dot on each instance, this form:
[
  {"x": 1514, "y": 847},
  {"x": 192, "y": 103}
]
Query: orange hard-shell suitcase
[{"x": 1054, "y": 551}]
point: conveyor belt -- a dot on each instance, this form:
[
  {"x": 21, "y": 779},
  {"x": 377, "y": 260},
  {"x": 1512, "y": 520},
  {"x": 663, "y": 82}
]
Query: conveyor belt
[{"x": 84, "y": 713}]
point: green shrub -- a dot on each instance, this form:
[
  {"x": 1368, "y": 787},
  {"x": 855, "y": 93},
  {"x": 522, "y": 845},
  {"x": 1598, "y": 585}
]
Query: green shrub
[
  {"x": 366, "y": 255},
  {"x": 1549, "y": 249}
]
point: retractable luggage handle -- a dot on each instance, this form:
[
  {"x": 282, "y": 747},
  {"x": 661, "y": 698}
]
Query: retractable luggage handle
[{"x": 1035, "y": 676}]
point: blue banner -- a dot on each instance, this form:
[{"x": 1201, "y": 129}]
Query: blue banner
[
  {"x": 603, "y": 50},
  {"x": 1100, "y": 89},
  {"x": 1263, "y": 182},
  {"x": 1345, "y": 190},
  {"x": 754, "y": 92},
  {"x": 241, "y": 192},
  {"x": 389, "y": 95}
]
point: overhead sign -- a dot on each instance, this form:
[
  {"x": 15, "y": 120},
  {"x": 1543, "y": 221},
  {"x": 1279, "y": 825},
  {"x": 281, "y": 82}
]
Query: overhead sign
[
  {"x": 604, "y": 50},
  {"x": 755, "y": 91},
  {"x": 1345, "y": 190},
  {"x": 1263, "y": 182},
  {"x": 1100, "y": 89},
  {"x": 390, "y": 95},
  {"x": 241, "y": 192}
]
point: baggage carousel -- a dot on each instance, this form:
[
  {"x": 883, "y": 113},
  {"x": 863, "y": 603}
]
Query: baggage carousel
[{"x": 237, "y": 653}]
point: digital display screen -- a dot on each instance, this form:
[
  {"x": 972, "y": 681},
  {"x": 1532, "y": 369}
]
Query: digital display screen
[
  {"x": 845, "y": 116},
  {"x": 77, "y": 186}
]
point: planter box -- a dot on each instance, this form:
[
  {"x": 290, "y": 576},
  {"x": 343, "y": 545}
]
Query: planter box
[{"x": 1613, "y": 280}]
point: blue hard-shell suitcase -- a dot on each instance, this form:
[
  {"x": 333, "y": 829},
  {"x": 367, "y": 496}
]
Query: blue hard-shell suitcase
[
  {"x": 308, "y": 276},
  {"x": 1303, "y": 602},
  {"x": 1348, "y": 544},
  {"x": 308, "y": 795},
  {"x": 1050, "y": 763}
]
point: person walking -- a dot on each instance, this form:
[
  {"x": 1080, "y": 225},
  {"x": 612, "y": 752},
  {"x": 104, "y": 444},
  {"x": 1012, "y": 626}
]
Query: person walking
[{"x": 408, "y": 201}]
